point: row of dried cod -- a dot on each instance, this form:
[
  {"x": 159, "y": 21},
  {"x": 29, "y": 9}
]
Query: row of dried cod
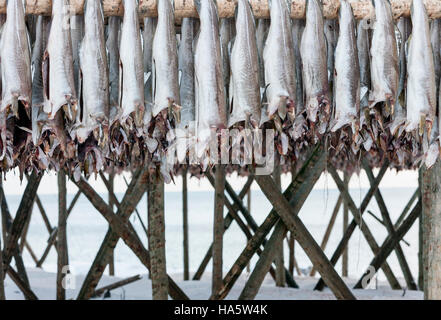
[{"x": 87, "y": 93}]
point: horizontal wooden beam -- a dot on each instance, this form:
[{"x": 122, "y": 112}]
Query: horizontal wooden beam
[{"x": 186, "y": 8}]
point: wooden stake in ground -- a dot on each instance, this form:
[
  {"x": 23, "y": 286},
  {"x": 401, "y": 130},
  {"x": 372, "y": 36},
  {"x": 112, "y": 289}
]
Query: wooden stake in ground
[
  {"x": 431, "y": 194},
  {"x": 344, "y": 261},
  {"x": 156, "y": 230},
  {"x": 62, "y": 261},
  {"x": 111, "y": 204},
  {"x": 218, "y": 227},
  {"x": 2, "y": 276},
  {"x": 278, "y": 257},
  {"x": 185, "y": 224},
  {"x": 420, "y": 235}
]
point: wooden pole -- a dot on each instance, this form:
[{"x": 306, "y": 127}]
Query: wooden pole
[
  {"x": 431, "y": 223},
  {"x": 156, "y": 238},
  {"x": 118, "y": 284},
  {"x": 185, "y": 225},
  {"x": 328, "y": 230},
  {"x": 218, "y": 227},
  {"x": 390, "y": 243},
  {"x": 279, "y": 259},
  {"x": 111, "y": 204},
  {"x": 124, "y": 230},
  {"x": 391, "y": 230},
  {"x": 131, "y": 198},
  {"x": 345, "y": 258},
  {"x": 307, "y": 175},
  {"x": 363, "y": 227},
  {"x": 249, "y": 210},
  {"x": 186, "y": 8},
  {"x": 420, "y": 235},
  {"x": 2, "y": 275},
  {"x": 62, "y": 261},
  {"x": 303, "y": 237}
]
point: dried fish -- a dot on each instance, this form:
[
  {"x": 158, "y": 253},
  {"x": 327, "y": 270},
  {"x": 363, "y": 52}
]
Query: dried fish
[
  {"x": 421, "y": 88},
  {"x": 186, "y": 126},
  {"x": 112, "y": 44},
  {"x": 209, "y": 85},
  {"x": 244, "y": 89},
  {"x": 147, "y": 36},
  {"x": 58, "y": 72},
  {"x": 435, "y": 39},
  {"x": 280, "y": 74},
  {"x": 16, "y": 60},
  {"x": 165, "y": 62},
  {"x": 384, "y": 58},
  {"x": 314, "y": 60},
  {"x": 261, "y": 34},
  {"x": 347, "y": 72},
  {"x": 227, "y": 32},
  {"x": 94, "y": 76},
  {"x": 76, "y": 34},
  {"x": 131, "y": 71}
]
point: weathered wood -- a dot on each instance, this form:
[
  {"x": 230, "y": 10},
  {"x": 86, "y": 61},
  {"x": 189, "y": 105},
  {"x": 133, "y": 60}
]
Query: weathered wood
[
  {"x": 124, "y": 230},
  {"x": 262, "y": 266},
  {"x": 2, "y": 275},
  {"x": 431, "y": 227},
  {"x": 406, "y": 209},
  {"x": 131, "y": 198},
  {"x": 227, "y": 222},
  {"x": 110, "y": 200},
  {"x": 351, "y": 228},
  {"x": 24, "y": 287},
  {"x": 390, "y": 243},
  {"x": 303, "y": 237},
  {"x": 186, "y": 8},
  {"x": 185, "y": 247},
  {"x": 278, "y": 257},
  {"x": 345, "y": 258},
  {"x": 118, "y": 284},
  {"x": 307, "y": 175},
  {"x": 357, "y": 214},
  {"x": 62, "y": 260},
  {"x": 21, "y": 216},
  {"x": 156, "y": 238},
  {"x": 328, "y": 230},
  {"x": 391, "y": 230},
  {"x": 218, "y": 228}
]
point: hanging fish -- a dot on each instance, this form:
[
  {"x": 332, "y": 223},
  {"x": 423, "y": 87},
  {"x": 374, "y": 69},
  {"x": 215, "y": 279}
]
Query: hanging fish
[
  {"x": 399, "y": 117},
  {"x": 314, "y": 61},
  {"x": 209, "y": 84},
  {"x": 186, "y": 127},
  {"x": 347, "y": 72},
  {"x": 94, "y": 96},
  {"x": 58, "y": 71},
  {"x": 112, "y": 44},
  {"x": 384, "y": 58},
  {"x": 261, "y": 34},
  {"x": 227, "y": 33},
  {"x": 39, "y": 117},
  {"x": 76, "y": 34},
  {"x": 363, "y": 44},
  {"x": 421, "y": 88},
  {"x": 16, "y": 60},
  {"x": 131, "y": 73},
  {"x": 245, "y": 93},
  {"x": 435, "y": 39},
  {"x": 165, "y": 63},
  {"x": 147, "y": 36},
  {"x": 279, "y": 60},
  {"x": 331, "y": 34}
]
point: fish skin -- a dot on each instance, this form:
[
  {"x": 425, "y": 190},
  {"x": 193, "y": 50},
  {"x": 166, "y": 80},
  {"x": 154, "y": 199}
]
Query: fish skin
[
  {"x": 364, "y": 63},
  {"x": 227, "y": 33},
  {"x": 39, "y": 117},
  {"x": 384, "y": 56},
  {"x": 209, "y": 84},
  {"x": 314, "y": 61},
  {"x": 94, "y": 73},
  {"x": 347, "y": 72},
  {"x": 16, "y": 60},
  {"x": 331, "y": 35},
  {"x": 112, "y": 44},
  {"x": 280, "y": 74},
  {"x": 147, "y": 36},
  {"x": 165, "y": 60},
  {"x": 76, "y": 34},
  {"x": 58, "y": 70},
  {"x": 131, "y": 73},
  {"x": 261, "y": 34},
  {"x": 245, "y": 96},
  {"x": 186, "y": 127},
  {"x": 421, "y": 88},
  {"x": 435, "y": 39}
]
